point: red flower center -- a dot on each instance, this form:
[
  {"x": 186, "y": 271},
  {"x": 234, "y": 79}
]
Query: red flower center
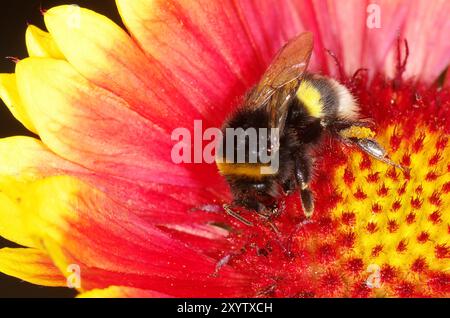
[{"x": 372, "y": 221}]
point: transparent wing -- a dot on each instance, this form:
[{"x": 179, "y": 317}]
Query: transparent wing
[
  {"x": 288, "y": 65},
  {"x": 287, "y": 68}
]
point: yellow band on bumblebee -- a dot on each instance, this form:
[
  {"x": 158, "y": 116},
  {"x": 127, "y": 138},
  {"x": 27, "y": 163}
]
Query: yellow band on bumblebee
[
  {"x": 311, "y": 98},
  {"x": 251, "y": 170}
]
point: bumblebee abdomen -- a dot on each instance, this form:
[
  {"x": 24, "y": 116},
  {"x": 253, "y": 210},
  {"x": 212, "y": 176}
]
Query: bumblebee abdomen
[
  {"x": 324, "y": 98},
  {"x": 310, "y": 97}
]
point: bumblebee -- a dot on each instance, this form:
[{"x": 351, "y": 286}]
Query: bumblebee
[{"x": 302, "y": 107}]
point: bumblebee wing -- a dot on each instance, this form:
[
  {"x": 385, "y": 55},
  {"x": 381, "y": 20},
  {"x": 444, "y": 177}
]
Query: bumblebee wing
[
  {"x": 290, "y": 62},
  {"x": 278, "y": 106},
  {"x": 287, "y": 67}
]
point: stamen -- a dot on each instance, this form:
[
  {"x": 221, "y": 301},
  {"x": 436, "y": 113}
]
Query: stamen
[
  {"x": 401, "y": 64},
  {"x": 419, "y": 265},
  {"x": 396, "y": 205},
  {"x": 338, "y": 65},
  {"x": 401, "y": 247},
  {"x": 348, "y": 218},
  {"x": 42, "y": 10},
  {"x": 13, "y": 58},
  {"x": 357, "y": 72},
  {"x": 387, "y": 273}
]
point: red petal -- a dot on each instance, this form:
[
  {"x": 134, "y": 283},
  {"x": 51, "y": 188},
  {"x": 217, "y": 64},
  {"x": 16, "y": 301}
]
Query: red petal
[{"x": 112, "y": 246}]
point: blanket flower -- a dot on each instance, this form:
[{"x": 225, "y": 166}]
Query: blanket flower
[{"x": 97, "y": 203}]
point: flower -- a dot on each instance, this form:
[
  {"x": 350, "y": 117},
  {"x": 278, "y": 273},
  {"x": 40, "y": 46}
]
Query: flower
[{"x": 98, "y": 202}]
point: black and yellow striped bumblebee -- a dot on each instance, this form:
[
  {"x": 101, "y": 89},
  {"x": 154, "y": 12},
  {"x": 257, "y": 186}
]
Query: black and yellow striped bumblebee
[{"x": 302, "y": 106}]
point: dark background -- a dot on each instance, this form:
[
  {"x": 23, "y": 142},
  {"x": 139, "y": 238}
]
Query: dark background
[{"x": 14, "y": 17}]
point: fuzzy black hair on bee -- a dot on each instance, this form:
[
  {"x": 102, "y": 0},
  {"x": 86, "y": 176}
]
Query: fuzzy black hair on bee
[{"x": 301, "y": 107}]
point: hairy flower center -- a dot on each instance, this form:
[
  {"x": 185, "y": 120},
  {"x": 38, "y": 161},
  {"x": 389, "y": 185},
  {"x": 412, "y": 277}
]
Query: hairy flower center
[
  {"x": 377, "y": 231},
  {"x": 400, "y": 219}
]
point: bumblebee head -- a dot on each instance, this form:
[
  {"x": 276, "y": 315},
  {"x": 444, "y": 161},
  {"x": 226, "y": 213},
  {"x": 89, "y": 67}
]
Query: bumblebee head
[{"x": 254, "y": 194}]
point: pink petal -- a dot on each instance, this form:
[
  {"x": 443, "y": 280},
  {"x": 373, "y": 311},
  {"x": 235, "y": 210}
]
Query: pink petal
[
  {"x": 427, "y": 30},
  {"x": 213, "y": 51}
]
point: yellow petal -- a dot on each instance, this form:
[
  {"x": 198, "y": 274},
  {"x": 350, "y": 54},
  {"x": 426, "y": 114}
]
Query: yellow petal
[
  {"x": 25, "y": 165},
  {"x": 49, "y": 208},
  {"x": 12, "y": 223},
  {"x": 89, "y": 125},
  {"x": 121, "y": 292},
  {"x": 23, "y": 160},
  {"x": 101, "y": 51},
  {"x": 31, "y": 265},
  {"x": 11, "y": 98},
  {"x": 28, "y": 159},
  {"x": 41, "y": 44},
  {"x": 50, "y": 199},
  {"x": 45, "y": 210},
  {"x": 20, "y": 157},
  {"x": 48, "y": 88}
]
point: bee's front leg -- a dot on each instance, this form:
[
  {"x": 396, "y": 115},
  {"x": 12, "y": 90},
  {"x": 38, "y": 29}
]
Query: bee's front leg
[
  {"x": 268, "y": 214},
  {"x": 229, "y": 209},
  {"x": 289, "y": 185}
]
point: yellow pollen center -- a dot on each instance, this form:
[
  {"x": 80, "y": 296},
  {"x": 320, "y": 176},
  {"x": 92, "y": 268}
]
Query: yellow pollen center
[{"x": 398, "y": 221}]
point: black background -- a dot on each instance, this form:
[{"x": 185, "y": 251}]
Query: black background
[{"x": 14, "y": 17}]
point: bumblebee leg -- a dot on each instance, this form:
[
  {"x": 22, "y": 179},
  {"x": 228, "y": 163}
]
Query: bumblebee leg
[
  {"x": 290, "y": 185},
  {"x": 274, "y": 227},
  {"x": 347, "y": 130},
  {"x": 307, "y": 200},
  {"x": 353, "y": 130},
  {"x": 228, "y": 209},
  {"x": 372, "y": 148},
  {"x": 360, "y": 135},
  {"x": 302, "y": 174}
]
